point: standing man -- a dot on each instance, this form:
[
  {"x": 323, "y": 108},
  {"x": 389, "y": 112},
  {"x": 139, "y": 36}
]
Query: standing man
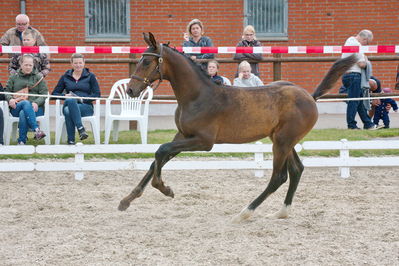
[
  {"x": 13, "y": 36},
  {"x": 352, "y": 82}
]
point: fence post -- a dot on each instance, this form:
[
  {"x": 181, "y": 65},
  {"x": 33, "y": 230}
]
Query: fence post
[
  {"x": 344, "y": 156},
  {"x": 259, "y": 159},
  {"x": 79, "y": 158},
  {"x": 277, "y": 68}
]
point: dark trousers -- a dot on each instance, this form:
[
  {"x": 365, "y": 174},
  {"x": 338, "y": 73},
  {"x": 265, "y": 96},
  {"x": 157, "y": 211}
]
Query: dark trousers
[
  {"x": 1, "y": 126},
  {"x": 352, "y": 82},
  {"x": 381, "y": 113}
]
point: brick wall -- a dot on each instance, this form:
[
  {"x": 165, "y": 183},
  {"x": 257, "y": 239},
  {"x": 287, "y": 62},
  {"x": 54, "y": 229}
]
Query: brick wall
[{"x": 311, "y": 22}]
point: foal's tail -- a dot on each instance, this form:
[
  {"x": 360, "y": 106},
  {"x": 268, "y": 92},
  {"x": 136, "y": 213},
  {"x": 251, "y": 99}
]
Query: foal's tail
[{"x": 336, "y": 71}]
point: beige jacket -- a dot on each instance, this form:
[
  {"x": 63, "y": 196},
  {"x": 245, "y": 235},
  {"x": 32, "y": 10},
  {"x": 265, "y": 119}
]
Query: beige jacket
[{"x": 11, "y": 38}]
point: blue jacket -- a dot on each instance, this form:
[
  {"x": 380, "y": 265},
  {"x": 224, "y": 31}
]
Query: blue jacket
[
  {"x": 385, "y": 102},
  {"x": 217, "y": 79},
  {"x": 203, "y": 42},
  {"x": 86, "y": 86}
]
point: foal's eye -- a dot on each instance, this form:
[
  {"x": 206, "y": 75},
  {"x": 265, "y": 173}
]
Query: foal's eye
[{"x": 146, "y": 61}]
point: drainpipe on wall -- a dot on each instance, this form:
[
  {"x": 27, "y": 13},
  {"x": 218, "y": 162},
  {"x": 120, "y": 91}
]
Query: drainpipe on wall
[{"x": 23, "y": 7}]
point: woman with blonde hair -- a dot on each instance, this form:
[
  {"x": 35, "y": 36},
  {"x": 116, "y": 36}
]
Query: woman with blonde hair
[
  {"x": 194, "y": 37},
  {"x": 249, "y": 40},
  {"x": 27, "y": 80},
  {"x": 77, "y": 82},
  {"x": 245, "y": 77}
]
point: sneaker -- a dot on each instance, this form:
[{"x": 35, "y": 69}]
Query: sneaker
[
  {"x": 39, "y": 135},
  {"x": 71, "y": 142},
  {"x": 375, "y": 127},
  {"x": 82, "y": 133},
  {"x": 386, "y": 126},
  {"x": 21, "y": 143}
]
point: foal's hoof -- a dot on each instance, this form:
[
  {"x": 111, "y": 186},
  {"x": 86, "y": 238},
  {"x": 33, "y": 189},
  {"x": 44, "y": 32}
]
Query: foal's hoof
[
  {"x": 123, "y": 205},
  {"x": 243, "y": 215},
  {"x": 169, "y": 192},
  {"x": 283, "y": 213}
]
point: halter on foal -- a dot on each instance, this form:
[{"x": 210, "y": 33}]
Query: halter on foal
[{"x": 208, "y": 113}]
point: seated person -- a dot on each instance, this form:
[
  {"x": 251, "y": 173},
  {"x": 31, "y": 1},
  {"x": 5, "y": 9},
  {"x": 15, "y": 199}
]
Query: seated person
[
  {"x": 41, "y": 60},
  {"x": 27, "y": 108},
  {"x": 213, "y": 68},
  {"x": 245, "y": 77},
  {"x": 78, "y": 81},
  {"x": 382, "y": 110}
]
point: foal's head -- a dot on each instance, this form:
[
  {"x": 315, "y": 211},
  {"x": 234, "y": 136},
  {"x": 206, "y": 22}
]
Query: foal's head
[{"x": 148, "y": 69}]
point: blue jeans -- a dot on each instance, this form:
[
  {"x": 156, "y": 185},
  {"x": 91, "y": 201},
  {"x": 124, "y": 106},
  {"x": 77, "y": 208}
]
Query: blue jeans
[
  {"x": 27, "y": 118},
  {"x": 352, "y": 82},
  {"x": 73, "y": 112}
]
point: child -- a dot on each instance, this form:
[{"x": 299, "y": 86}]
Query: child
[
  {"x": 245, "y": 77},
  {"x": 381, "y": 110},
  {"x": 213, "y": 68},
  {"x": 41, "y": 61}
]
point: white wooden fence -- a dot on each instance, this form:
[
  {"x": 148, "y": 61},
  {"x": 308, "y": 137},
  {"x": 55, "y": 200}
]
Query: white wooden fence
[{"x": 79, "y": 165}]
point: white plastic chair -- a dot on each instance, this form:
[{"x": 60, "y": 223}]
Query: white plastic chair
[
  {"x": 11, "y": 123},
  {"x": 131, "y": 109},
  {"x": 60, "y": 128}
]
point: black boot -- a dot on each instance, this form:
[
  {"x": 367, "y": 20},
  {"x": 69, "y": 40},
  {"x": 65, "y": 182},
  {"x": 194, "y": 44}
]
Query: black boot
[{"x": 82, "y": 133}]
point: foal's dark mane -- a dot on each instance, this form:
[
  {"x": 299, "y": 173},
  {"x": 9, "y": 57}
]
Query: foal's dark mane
[
  {"x": 194, "y": 64},
  {"x": 206, "y": 77}
]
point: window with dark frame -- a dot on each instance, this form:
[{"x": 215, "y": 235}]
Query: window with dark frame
[
  {"x": 269, "y": 18},
  {"x": 107, "y": 20}
]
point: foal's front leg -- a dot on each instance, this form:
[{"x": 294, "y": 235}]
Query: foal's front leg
[
  {"x": 168, "y": 150},
  {"x": 138, "y": 190}
]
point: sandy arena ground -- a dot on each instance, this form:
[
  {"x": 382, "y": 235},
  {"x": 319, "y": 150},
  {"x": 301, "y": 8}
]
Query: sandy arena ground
[{"x": 52, "y": 219}]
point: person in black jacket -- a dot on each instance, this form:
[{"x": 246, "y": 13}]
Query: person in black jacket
[
  {"x": 77, "y": 82},
  {"x": 249, "y": 40}
]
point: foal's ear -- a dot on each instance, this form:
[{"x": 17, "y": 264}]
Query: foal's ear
[
  {"x": 153, "y": 41},
  {"x": 150, "y": 40}
]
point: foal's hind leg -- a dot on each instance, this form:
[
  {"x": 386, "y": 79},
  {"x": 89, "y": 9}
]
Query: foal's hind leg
[
  {"x": 279, "y": 176},
  {"x": 295, "y": 169}
]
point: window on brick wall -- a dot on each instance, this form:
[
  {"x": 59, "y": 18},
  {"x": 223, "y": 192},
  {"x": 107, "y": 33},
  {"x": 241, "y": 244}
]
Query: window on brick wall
[
  {"x": 107, "y": 20},
  {"x": 269, "y": 17}
]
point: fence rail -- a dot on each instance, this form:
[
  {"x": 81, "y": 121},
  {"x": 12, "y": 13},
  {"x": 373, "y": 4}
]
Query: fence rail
[
  {"x": 344, "y": 162},
  {"x": 276, "y": 60}
]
